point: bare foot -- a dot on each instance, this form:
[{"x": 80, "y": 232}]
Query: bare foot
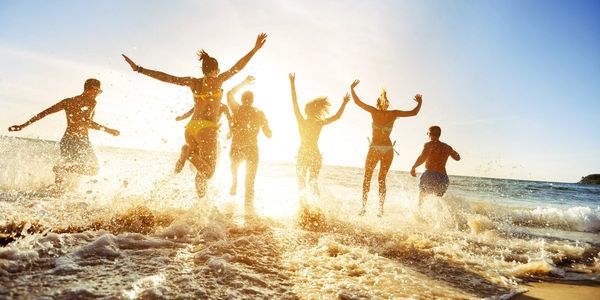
[
  {"x": 362, "y": 212},
  {"x": 233, "y": 190}
]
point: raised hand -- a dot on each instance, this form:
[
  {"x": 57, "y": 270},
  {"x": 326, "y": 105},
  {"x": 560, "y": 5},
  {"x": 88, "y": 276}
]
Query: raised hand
[
  {"x": 418, "y": 98},
  {"x": 355, "y": 83},
  {"x": 131, "y": 63},
  {"x": 347, "y": 98},
  {"x": 15, "y": 128},
  {"x": 292, "y": 77},
  {"x": 260, "y": 41},
  {"x": 250, "y": 79}
]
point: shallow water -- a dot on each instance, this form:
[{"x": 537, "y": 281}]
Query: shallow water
[{"x": 137, "y": 231}]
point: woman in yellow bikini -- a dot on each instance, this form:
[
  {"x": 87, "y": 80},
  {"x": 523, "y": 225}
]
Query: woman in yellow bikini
[
  {"x": 309, "y": 157},
  {"x": 201, "y": 132},
  {"x": 381, "y": 149}
]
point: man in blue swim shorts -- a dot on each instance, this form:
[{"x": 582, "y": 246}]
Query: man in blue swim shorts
[{"x": 435, "y": 155}]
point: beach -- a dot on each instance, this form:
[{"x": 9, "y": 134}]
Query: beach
[{"x": 136, "y": 230}]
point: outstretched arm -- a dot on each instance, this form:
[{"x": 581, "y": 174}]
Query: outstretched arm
[
  {"x": 299, "y": 116},
  {"x": 264, "y": 125},
  {"x": 185, "y": 116},
  {"x": 96, "y": 126},
  {"x": 338, "y": 115},
  {"x": 399, "y": 113},
  {"x": 260, "y": 41},
  {"x": 360, "y": 104},
  {"x": 234, "y": 105},
  {"x": 52, "y": 109},
  {"x": 185, "y": 81},
  {"x": 420, "y": 160}
]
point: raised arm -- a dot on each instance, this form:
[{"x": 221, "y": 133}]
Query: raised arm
[
  {"x": 420, "y": 160},
  {"x": 360, "y": 104},
  {"x": 338, "y": 115},
  {"x": 260, "y": 41},
  {"x": 185, "y": 81},
  {"x": 264, "y": 125},
  {"x": 234, "y": 105},
  {"x": 299, "y": 116},
  {"x": 399, "y": 113},
  {"x": 52, "y": 109},
  {"x": 96, "y": 126},
  {"x": 185, "y": 116}
]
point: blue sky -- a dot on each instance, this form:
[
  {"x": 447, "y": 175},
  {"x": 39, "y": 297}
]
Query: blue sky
[{"x": 513, "y": 84}]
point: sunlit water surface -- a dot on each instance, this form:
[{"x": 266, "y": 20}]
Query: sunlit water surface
[{"x": 137, "y": 231}]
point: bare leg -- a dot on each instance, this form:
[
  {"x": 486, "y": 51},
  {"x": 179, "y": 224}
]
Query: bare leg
[
  {"x": 251, "y": 168},
  {"x": 314, "y": 171},
  {"x": 201, "y": 184},
  {"x": 235, "y": 164},
  {"x": 183, "y": 157},
  {"x": 370, "y": 163},
  {"x": 384, "y": 167}
]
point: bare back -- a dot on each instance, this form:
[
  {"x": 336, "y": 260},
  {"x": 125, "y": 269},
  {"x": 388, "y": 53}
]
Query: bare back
[
  {"x": 79, "y": 111},
  {"x": 310, "y": 131},
  {"x": 437, "y": 156},
  {"x": 383, "y": 122},
  {"x": 207, "y": 98}
]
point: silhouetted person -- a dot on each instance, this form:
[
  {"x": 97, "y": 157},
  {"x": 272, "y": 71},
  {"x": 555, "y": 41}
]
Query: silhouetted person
[
  {"x": 247, "y": 122},
  {"x": 308, "y": 163},
  {"x": 76, "y": 153},
  {"x": 381, "y": 149},
  {"x": 435, "y": 155},
  {"x": 202, "y": 131}
]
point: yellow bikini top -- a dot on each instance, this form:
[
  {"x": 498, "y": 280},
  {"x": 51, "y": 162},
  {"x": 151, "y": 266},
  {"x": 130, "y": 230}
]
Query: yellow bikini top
[{"x": 208, "y": 93}]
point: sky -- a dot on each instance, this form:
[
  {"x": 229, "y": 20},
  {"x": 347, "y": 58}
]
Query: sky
[{"x": 514, "y": 85}]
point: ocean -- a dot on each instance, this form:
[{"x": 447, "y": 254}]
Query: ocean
[{"x": 137, "y": 231}]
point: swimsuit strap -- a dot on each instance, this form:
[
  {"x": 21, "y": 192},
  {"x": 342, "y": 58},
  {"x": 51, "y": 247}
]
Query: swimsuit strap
[{"x": 383, "y": 146}]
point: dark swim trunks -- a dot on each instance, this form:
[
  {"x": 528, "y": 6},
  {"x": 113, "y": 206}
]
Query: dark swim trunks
[
  {"x": 434, "y": 183},
  {"x": 77, "y": 156}
]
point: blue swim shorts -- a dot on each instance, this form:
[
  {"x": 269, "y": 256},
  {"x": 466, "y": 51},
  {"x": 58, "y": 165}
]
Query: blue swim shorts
[{"x": 434, "y": 183}]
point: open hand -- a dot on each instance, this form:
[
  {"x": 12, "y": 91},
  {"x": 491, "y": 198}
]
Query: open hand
[
  {"x": 113, "y": 132},
  {"x": 250, "y": 79},
  {"x": 418, "y": 98},
  {"x": 355, "y": 83},
  {"x": 260, "y": 41},
  {"x": 347, "y": 98},
  {"x": 292, "y": 77},
  {"x": 179, "y": 118},
  {"x": 15, "y": 128},
  {"x": 131, "y": 63}
]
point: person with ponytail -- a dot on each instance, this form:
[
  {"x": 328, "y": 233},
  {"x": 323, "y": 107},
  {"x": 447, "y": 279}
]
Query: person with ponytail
[
  {"x": 308, "y": 163},
  {"x": 381, "y": 149},
  {"x": 202, "y": 130}
]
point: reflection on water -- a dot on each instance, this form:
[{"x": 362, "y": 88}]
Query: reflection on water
[{"x": 137, "y": 231}]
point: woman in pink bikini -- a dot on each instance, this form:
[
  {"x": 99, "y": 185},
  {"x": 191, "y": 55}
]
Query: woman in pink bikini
[{"x": 381, "y": 149}]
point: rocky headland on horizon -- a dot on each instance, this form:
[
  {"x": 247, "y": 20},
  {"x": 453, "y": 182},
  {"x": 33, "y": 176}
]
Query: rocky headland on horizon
[{"x": 590, "y": 179}]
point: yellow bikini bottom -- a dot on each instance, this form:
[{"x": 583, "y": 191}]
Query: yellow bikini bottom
[{"x": 194, "y": 126}]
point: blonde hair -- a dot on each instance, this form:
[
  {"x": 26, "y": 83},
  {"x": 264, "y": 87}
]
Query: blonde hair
[
  {"x": 383, "y": 101},
  {"x": 317, "y": 108}
]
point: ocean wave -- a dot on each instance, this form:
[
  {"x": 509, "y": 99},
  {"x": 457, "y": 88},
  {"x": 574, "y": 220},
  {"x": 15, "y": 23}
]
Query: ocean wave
[{"x": 578, "y": 218}]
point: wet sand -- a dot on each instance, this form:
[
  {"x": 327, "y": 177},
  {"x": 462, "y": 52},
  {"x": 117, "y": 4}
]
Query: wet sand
[{"x": 561, "y": 290}]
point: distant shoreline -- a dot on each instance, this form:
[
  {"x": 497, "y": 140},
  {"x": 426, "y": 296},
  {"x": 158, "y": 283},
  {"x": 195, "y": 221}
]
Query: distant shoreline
[{"x": 289, "y": 162}]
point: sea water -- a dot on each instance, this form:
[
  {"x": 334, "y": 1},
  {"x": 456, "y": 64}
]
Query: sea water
[{"x": 136, "y": 230}]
